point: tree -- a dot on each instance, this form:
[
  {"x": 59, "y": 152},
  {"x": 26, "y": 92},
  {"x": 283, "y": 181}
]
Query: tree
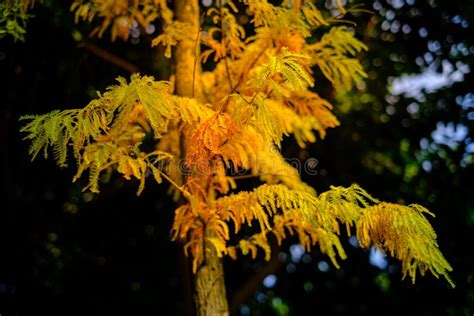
[{"x": 202, "y": 131}]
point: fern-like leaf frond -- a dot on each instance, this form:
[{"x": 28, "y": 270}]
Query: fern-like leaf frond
[
  {"x": 332, "y": 54},
  {"x": 401, "y": 230},
  {"x": 405, "y": 233},
  {"x": 288, "y": 65},
  {"x": 109, "y": 130}
]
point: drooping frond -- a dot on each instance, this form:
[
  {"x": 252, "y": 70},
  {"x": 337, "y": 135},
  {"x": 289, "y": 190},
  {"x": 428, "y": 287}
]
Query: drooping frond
[
  {"x": 405, "y": 233},
  {"x": 264, "y": 13},
  {"x": 226, "y": 36},
  {"x": 332, "y": 54},
  {"x": 268, "y": 124},
  {"x": 108, "y": 132},
  {"x": 401, "y": 230},
  {"x": 313, "y": 16},
  {"x": 291, "y": 211},
  {"x": 58, "y": 129}
]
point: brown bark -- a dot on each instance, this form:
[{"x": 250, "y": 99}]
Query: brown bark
[
  {"x": 210, "y": 296},
  {"x": 210, "y": 287}
]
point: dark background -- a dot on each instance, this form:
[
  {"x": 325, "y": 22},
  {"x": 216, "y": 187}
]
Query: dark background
[{"x": 65, "y": 252}]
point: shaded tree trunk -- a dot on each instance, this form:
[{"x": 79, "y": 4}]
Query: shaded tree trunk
[
  {"x": 210, "y": 296},
  {"x": 210, "y": 287}
]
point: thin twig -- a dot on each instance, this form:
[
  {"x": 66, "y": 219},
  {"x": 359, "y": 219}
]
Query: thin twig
[
  {"x": 228, "y": 72},
  {"x": 256, "y": 93},
  {"x": 180, "y": 188},
  {"x": 241, "y": 77},
  {"x": 239, "y": 81}
]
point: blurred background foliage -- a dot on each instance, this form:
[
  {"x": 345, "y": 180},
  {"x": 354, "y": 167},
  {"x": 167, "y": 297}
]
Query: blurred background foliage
[{"x": 406, "y": 135}]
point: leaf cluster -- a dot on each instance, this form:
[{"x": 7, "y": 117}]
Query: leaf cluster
[{"x": 260, "y": 90}]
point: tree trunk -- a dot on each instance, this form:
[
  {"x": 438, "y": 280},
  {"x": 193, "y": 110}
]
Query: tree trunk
[
  {"x": 210, "y": 287},
  {"x": 210, "y": 293},
  {"x": 187, "y": 54}
]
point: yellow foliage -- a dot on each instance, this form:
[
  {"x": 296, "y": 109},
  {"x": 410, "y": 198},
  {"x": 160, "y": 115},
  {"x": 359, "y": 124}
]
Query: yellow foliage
[
  {"x": 259, "y": 90},
  {"x": 312, "y": 15},
  {"x": 332, "y": 55},
  {"x": 173, "y": 33},
  {"x": 109, "y": 130},
  {"x": 229, "y": 30},
  {"x": 287, "y": 66},
  {"x": 406, "y": 235},
  {"x": 401, "y": 230},
  {"x": 119, "y": 15}
]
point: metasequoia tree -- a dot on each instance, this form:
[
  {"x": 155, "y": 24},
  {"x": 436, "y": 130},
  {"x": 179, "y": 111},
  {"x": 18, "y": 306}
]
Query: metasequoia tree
[{"x": 207, "y": 127}]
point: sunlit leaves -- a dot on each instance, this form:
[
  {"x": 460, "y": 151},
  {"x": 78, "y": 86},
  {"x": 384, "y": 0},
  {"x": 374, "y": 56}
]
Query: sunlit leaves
[
  {"x": 401, "y": 230},
  {"x": 258, "y": 89},
  {"x": 288, "y": 65},
  {"x": 231, "y": 34},
  {"x": 119, "y": 15},
  {"x": 172, "y": 34},
  {"x": 108, "y": 131},
  {"x": 332, "y": 55},
  {"x": 407, "y": 235}
]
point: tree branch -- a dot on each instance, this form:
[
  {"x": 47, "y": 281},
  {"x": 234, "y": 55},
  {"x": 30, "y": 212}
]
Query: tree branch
[{"x": 109, "y": 57}]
